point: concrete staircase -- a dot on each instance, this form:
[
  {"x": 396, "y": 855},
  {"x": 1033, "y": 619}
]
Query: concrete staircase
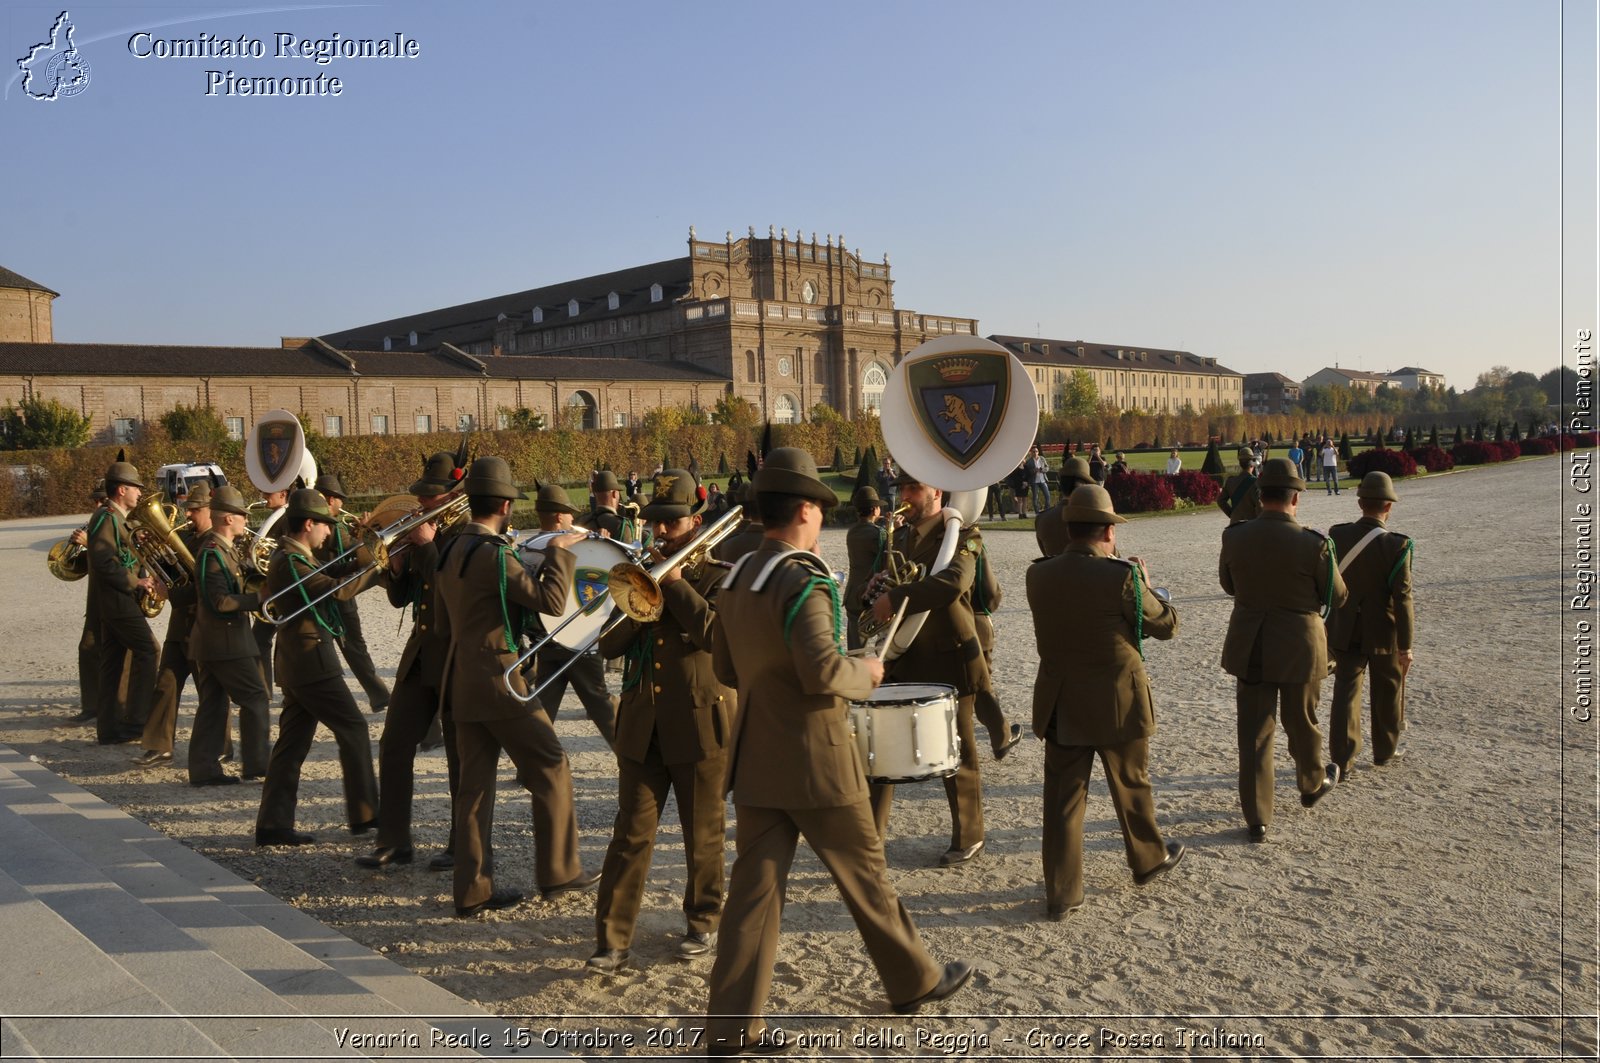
[{"x": 118, "y": 942}]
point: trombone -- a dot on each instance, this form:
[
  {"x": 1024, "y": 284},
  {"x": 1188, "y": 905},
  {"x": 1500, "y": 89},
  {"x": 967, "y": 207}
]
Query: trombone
[
  {"x": 376, "y": 545},
  {"x": 636, "y": 590}
]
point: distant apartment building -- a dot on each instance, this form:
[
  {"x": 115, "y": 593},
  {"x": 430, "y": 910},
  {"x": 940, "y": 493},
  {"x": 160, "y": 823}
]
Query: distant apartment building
[
  {"x": 1346, "y": 378},
  {"x": 1411, "y": 378},
  {"x": 1270, "y": 393},
  {"x": 1132, "y": 378}
]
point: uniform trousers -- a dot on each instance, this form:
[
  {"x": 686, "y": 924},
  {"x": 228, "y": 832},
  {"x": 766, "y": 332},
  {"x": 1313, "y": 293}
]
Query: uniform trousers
[
  {"x": 161, "y": 729},
  {"x": 1388, "y": 706},
  {"x": 849, "y": 846},
  {"x": 89, "y": 668},
  {"x": 238, "y": 679},
  {"x": 119, "y": 637},
  {"x": 328, "y": 702},
  {"x": 530, "y": 741},
  {"x": 412, "y": 711},
  {"x": 354, "y": 646},
  {"x": 1066, "y": 791},
  {"x": 587, "y": 675},
  {"x": 641, "y": 794},
  {"x": 264, "y": 634},
  {"x": 1258, "y": 704},
  {"x": 964, "y": 789},
  {"x": 985, "y": 703}
]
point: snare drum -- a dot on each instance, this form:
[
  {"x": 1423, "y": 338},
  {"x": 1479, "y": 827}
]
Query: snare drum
[
  {"x": 587, "y": 592},
  {"x": 907, "y": 732}
]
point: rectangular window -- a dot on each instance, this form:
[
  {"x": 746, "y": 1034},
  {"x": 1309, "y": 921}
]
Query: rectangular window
[
  {"x": 333, "y": 425},
  {"x": 122, "y": 428},
  {"x": 380, "y": 424},
  {"x": 424, "y": 423},
  {"x": 502, "y": 420},
  {"x": 236, "y": 428},
  {"x": 619, "y": 419},
  {"x": 464, "y": 422}
]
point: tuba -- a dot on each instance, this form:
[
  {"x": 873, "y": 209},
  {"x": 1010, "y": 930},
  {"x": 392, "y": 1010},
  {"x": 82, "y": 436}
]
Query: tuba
[
  {"x": 958, "y": 413},
  {"x": 67, "y": 560},
  {"x": 897, "y": 570},
  {"x": 160, "y": 551},
  {"x": 276, "y": 458}
]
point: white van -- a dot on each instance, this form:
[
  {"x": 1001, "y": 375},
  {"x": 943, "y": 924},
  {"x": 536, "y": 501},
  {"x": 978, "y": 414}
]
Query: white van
[{"x": 174, "y": 481}]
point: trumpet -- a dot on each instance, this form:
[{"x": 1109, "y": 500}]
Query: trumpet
[
  {"x": 637, "y": 585},
  {"x": 67, "y": 560},
  {"x": 377, "y": 546}
]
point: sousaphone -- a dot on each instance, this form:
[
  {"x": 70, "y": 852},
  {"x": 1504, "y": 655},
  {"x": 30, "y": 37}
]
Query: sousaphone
[
  {"x": 958, "y": 413},
  {"x": 275, "y": 457}
]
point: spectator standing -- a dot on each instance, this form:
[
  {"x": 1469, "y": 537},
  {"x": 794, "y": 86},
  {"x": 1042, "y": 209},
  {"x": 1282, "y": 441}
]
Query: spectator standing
[
  {"x": 1097, "y": 466},
  {"x": 1039, "y": 479},
  {"x": 1297, "y": 456},
  {"x": 633, "y": 486},
  {"x": 1120, "y": 466},
  {"x": 886, "y": 477},
  {"x": 1330, "y": 467},
  {"x": 1174, "y": 463},
  {"x": 1019, "y": 488}
]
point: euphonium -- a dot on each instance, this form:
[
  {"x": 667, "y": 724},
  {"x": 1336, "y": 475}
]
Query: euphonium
[
  {"x": 69, "y": 561},
  {"x": 160, "y": 550},
  {"x": 897, "y": 570}
]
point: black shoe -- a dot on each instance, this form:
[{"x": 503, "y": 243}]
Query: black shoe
[
  {"x": 1258, "y": 832},
  {"x": 252, "y": 778},
  {"x": 609, "y": 960},
  {"x": 696, "y": 943},
  {"x": 1016, "y": 736},
  {"x": 955, "y": 976},
  {"x": 1332, "y": 780},
  {"x": 227, "y": 758},
  {"x": 384, "y": 855},
  {"x": 150, "y": 758},
  {"x": 498, "y": 901},
  {"x": 445, "y": 861},
  {"x": 954, "y": 857},
  {"x": 582, "y": 882},
  {"x": 1396, "y": 755},
  {"x": 379, "y": 706},
  {"x": 364, "y": 828},
  {"x": 1056, "y": 915},
  {"x": 86, "y": 716},
  {"x": 216, "y": 780},
  {"x": 282, "y": 836},
  {"x": 1175, "y": 852}
]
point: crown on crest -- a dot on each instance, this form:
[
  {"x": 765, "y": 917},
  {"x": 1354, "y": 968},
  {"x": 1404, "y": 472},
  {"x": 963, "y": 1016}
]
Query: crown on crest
[{"x": 956, "y": 370}]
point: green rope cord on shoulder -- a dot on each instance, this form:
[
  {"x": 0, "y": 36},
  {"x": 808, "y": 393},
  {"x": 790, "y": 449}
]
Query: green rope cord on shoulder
[
  {"x": 125, "y": 556},
  {"x": 333, "y": 624},
  {"x": 638, "y": 662},
  {"x": 833, "y": 597},
  {"x": 222, "y": 564},
  {"x": 1329, "y": 550},
  {"x": 1400, "y": 562},
  {"x": 505, "y": 614},
  {"x": 1138, "y": 611},
  {"x": 883, "y": 539}
]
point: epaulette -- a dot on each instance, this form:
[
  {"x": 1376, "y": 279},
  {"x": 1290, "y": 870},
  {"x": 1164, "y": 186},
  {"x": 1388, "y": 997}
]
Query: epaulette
[
  {"x": 733, "y": 573},
  {"x": 809, "y": 560},
  {"x": 1402, "y": 535},
  {"x": 1120, "y": 561}
]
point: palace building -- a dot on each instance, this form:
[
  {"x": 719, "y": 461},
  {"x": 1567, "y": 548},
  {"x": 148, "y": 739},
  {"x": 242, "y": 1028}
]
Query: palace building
[{"x": 1130, "y": 378}]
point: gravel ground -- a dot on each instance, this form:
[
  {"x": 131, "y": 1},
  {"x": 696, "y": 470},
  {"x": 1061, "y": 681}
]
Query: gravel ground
[{"x": 1443, "y": 905}]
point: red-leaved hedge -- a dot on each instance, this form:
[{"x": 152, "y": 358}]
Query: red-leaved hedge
[
  {"x": 1140, "y": 492},
  {"x": 1573, "y": 442},
  {"x": 1396, "y": 463},
  {"x": 1472, "y": 453},
  {"x": 1196, "y": 486},
  {"x": 1532, "y": 447},
  {"x": 1433, "y": 459}
]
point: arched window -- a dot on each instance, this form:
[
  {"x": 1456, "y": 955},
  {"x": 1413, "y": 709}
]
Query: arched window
[
  {"x": 750, "y": 366},
  {"x": 582, "y": 410},
  {"x": 413, "y": 339},
  {"x": 572, "y": 308},
  {"x": 655, "y": 293},
  {"x": 538, "y": 315},
  {"x": 783, "y": 410},
  {"x": 613, "y": 301},
  {"x": 873, "y": 380}
]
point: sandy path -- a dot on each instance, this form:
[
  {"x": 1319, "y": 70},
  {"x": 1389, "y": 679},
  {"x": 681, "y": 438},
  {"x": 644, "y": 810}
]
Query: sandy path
[{"x": 1422, "y": 909}]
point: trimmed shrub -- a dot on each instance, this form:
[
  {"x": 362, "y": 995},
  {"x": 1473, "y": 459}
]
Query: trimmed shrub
[
  {"x": 1433, "y": 459},
  {"x": 1475, "y": 453},
  {"x": 1509, "y": 451},
  {"x": 1396, "y": 463},
  {"x": 1532, "y": 447},
  {"x": 1140, "y": 492},
  {"x": 1197, "y": 487}
]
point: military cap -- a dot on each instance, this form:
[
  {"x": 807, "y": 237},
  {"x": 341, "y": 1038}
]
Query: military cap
[
  {"x": 123, "y": 472},
  {"x": 552, "y": 498},
  {"x": 1091, "y": 504},
  {"x": 1378, "y": 486},
  {"x": 439, "y": 474},
  {"x": 905, "y": 479},
  {"x": 307, "y": 503},
  {"x": 677, "y": 494},
  {"x": 606, "y": 480},
  {"x": 1281, "y": 472},
  {"x": 99, "y": 492},
  {"x": 227, "y": 499},
  {"x": 1247, "y": 456},
  {"x": 1075, "y": 470},
  {"x": 199, "y": 496},
  {"x": 490, "y": 477},
  {"x": 865, "y": 498},
  {"x": 328, "y": 483},
  {"x": 750, "y": 492},
  {"x": 792, "y": 471}
]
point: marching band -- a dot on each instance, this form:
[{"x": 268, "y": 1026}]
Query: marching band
[{"x": 750, "y": 669}]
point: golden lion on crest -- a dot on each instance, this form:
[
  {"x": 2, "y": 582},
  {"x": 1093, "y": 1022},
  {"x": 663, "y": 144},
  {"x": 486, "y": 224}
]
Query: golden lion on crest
[{"x": 959, "y": 414}]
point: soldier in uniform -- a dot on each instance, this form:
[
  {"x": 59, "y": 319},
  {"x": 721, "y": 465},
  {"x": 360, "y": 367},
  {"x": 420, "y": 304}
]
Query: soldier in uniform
[
  {"x": 353, "y": 643},
  {"x": 114, "y": 583},
  {"x": 795, "y": 770},
  {"x": 604, "y": 517},
  {"x": 1092, "y": 695},
  {"x": 1373, "y": 629},
  {"x": 224, "y": 651},
  {"x": 750, "y": 533},
  {"x": 1283, "y": 579},
  {"x": 587, "y": 674},
  {"x": 864, "y": 545},
  {"x": 672, "y": 733},
  {"x": 418, "y": 679},
  {"x": 945, "y": 651},
  {"x": 986, "y": 597},
  {"x": 89, "y": 640},
  {"x": 161, "y": 729},
  {"x": 1241, "y": 493},
  {"x": 263, "y": 631},
  {"x": 309, "y": 673},
  {"x": 483, "y": 594},
  {"x": 1048, "y": 527}
]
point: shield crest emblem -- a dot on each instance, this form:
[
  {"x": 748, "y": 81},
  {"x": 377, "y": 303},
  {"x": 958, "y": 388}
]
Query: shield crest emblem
[
  {"x": 960, "y": 401},
  {"x": 590, "y": 586},
  {"x": 274, "y": 445}
]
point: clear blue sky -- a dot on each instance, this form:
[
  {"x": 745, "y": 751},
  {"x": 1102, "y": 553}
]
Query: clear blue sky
[{"x": 1281, "y": 186}]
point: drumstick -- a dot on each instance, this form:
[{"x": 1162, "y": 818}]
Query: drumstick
[{"x": 894, "y": 626}]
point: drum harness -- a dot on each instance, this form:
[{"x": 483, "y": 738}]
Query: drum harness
[{"x": 819, "y": 576}]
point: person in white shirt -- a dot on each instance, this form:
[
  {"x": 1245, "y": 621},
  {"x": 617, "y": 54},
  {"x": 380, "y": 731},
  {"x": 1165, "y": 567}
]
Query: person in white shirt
[
  {"x": 1174, "y": 463},
  {"x": 1330, "y": 467},
  {"x": 1039, "y": 478}
]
